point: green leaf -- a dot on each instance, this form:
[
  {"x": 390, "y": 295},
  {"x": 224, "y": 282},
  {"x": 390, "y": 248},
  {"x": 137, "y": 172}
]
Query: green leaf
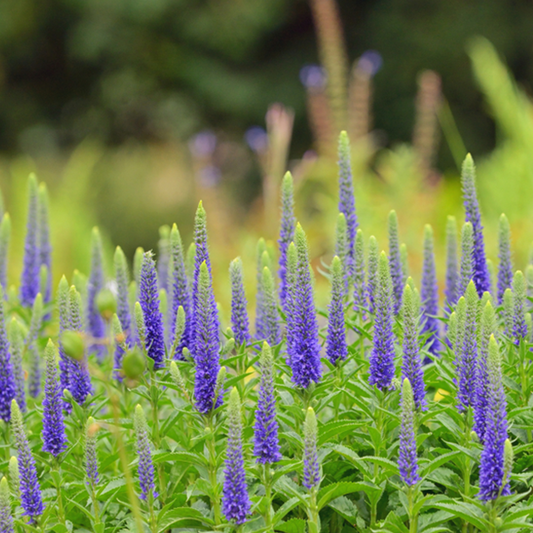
[
  {"x": 335, "y": 490},
  {"x": 338, "y": 429},
  {"x": 288, "y": 506},
  {"x": 436, "y": 463},
  {"x": 468, "y": 512},
  {"x": 295, "y": 525}
]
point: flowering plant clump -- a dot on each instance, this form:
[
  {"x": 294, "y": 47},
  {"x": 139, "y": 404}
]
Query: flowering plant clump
[{"x": 391, "y": 409}]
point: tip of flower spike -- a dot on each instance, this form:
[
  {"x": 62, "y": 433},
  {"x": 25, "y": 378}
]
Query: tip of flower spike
[
  {"x": 287, "y": 182},
  {"x": 200, "y": 211},
  {"x": 95, "y": 234},
  {"x": 92, "y": 427},
  {"x": 203, "y": 268},
  {"x": 344, "y": 141},
  {"x": 50, "y": 345},
  {"x": 428, "y": 232},
  {"x": 32, "y": 181},
  {"x": 139, "y": 410}
]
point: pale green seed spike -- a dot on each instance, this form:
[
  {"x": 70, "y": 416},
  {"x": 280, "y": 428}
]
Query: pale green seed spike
[
  {"x": 5, "y": 505},
  {"x": 36, "y": 318},
  {"x": 383, "y": 270},
  {"x": 139, "y": 420},
  {"x": 341, "y": 238},
  {"x": 14, "y": 477},
  {"x": 234, "y": 409},
  {"x": 139, "y": 323},
  {"x": 494, "y": 364},
  {"x": 472, "y": 301},
  {"x": 2, "y": 206},
  {"x": 118, "y": 333},
  {"x": 461, "y": 322},
  {"x": 467, "y": 259},
  {"x": 310, "y": 426},
  {"x": 410, "y": 281},
  {"x": 178, "y": 379},
  {"x": 266, "y": 363},
  {"x": 270, "y": 304},
  {"x": 469, "y": 170},
  {"x": 408, "y": 402},
  {"x": 189, "y": 262},
  {"x": 452, "y": 330},
  {"x": 405, "y": 261},
  {"x": 292, "y": 263},
  {"x": 408, "y": 303},
  {"x": 62, "y": 297},
  {"x": 508, "y": 305},
  {"x": 359, "y": 274},
  {"x": 179, "y": 329},
  {"x": 265, "y": 261},
  {"x": 137, "y": 264},
  {"x": 508, "y": 459}
]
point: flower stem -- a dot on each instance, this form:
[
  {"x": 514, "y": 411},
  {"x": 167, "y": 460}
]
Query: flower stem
[
  {"x": 213, "y": 468},
  {"x": 60, "y": 509},
  {"x": 314, "y": 518},
  {"x": 267, "y": 482}
]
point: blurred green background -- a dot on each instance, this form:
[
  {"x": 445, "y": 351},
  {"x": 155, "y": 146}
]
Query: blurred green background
[{"x": 133, "y": 110}]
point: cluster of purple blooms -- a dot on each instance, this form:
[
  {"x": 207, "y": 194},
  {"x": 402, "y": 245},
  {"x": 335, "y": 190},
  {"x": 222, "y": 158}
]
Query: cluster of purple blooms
[{"x": 183, "y": 281}]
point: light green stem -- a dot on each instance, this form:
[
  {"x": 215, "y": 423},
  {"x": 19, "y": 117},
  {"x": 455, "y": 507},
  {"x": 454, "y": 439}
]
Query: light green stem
[
  {"x": 313, "y": 522},
  {"x": 267, "y": 481},
  {"x": 413, "y": 518},
  {"x": 213, "y": 468}
]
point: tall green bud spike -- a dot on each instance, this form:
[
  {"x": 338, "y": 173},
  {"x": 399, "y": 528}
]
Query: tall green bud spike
[
  {"x": 508, "y": 459},
  {"x": 372, "y": 273},
  {"x": 271, "y": 314},
  {"x": 14, "y": 477},
  {"x": 452, "y": 330},
  {"x": 139, "y": 323},
  {"x": 311, "y": 464},
  {"x": 189, "y": 263},
  {"x": 505, "y": 268},
  {"x": 395, "y": 261},
  {"x": 467, "y": 258},
  {"x": 519, "y": 307},
  {"x": 359, "y": 273},
  {"x": 404, "y": 257},
  {"x": 508, "y": 305},
  {"x": 452, "y": 280},
  {"x": 5, "y": 236},
  {"x": 6, "y": 519},
  {"x": 137, "y": 263},
  {"x": 341, "y": 247}
]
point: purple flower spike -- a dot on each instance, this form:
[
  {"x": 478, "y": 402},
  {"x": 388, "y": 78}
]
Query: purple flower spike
[
  {"x": 395, "y": 262},
  {"x": 266, "y": 441},
  {"x": 452, "y": 277},
  {"x": 505, "y": 269},
  {"x": 153, "y": 319},
  {"x": 201, "y": 255},
  {"x": 487, "y": 328},
  {"x": 79, "y": 379},
  {"x": 30, "y": 491},
  {"x": 466, "y": 351},
  {"x": 146, "y": 465},
  {"x": 45, "y": 248},
  {"x": 372, "y": 274},
  {"x": 347, "y": 200},
  {"x": 473, "y": 215},
  {"x": 519, "y": 331},
  {"x": 180, "y": 291},
  {"x": 122, "y": 278},
  {"x": 207, "y": 345},
  {"x": 411, "y": 362},
  {"x": 30, "y": 283},
  {"x": 270, "y": 320},
  {"x": 7, "y": 379},
  {"x": 493, "y": 479},
  {"x": 382, "y": 355},
  {"x": 235, "y": 499},
  {"x": 64, "y": 360},
  {"x": 239, "y": 314},
  {"x": 286, "y": 233},
  {"x": 336, "y": 339},
  {"x": 91, "y": 459},
  {"x": 430, "y": 294},
  {"x": 408, "y": 460},
  {"x": 95, "y": 283},
  {"x": 54, "y": 437},
  {"x": 303, "y": 347}
]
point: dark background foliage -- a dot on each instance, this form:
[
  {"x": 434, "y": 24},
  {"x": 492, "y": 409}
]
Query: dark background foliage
[{"x": 159, "y": 69}]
